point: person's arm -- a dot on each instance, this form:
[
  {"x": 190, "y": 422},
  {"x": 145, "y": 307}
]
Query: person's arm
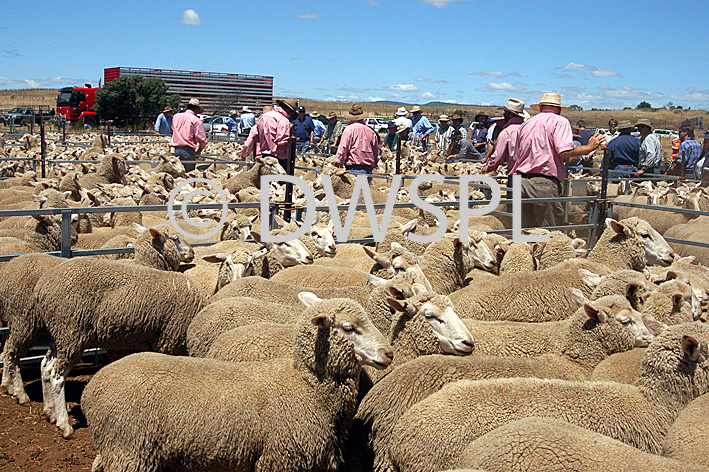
[
  {"x": 157, "y": 124},
  {"x": 593, "y": 143},
  {"x": 200, "y": 136}
]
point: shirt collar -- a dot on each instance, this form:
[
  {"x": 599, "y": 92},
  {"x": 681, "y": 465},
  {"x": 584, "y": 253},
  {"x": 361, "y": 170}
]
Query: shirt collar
[{"x": 515, "y": 120}]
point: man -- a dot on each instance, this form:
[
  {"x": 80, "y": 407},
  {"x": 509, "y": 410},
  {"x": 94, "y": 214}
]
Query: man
[
  {"x": 188, "y": 136},
  {"x": 304, "y": 131},
  {"x": 461, "y": 148},
  {"x": 232, "y": 124},
  {"x": 650, "y": 154},
  {"x": 457, "y": 123},
  {"x": 478, "y": 133},
  {"x": 163, "y": 125},
  {"x": 331, "y": 139},
  {"x": 495, "y": 123},
  {"x": 624, "y": 151},
  {"x": 391, "y": 138},
  {"x": 359, "y": 146},
  {"x": 247, "y": 120},
  {"x": 512, "y": 118},
  {"x": 584, "y": 134},
  {"x": 612, "y": 130},
  {"x": 689, "y": 152},
  {"x": 542, "y": 144},
  {"x": 273, "y": 130},
  {"x": 401, "y": 117},
  {"x": 421, "y": 127},
  {"x": 443, "y": 136},
  {"x": 319, "y": 128}
]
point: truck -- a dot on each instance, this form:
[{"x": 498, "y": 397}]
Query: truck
[
  {"x": 25, "y": 115},
  {"x": 76, "y": 103}
]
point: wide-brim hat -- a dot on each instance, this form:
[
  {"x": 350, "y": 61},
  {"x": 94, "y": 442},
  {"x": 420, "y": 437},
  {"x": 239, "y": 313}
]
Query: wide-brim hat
[
  {"x": 195, "y": 103},
  {"x": 401, "y": 128},
  {"x": 289, "y": 103},
  {"x": 233, "y": 113},
  {"x": 443, "y": 118},
  {"x": 167, "y": 110},
  {"x": 314, "y": 114},
  {"x": 245, "y": 109},
  {"x": 625, "y": 124},
  {"x": 356, "y": 113},
  {"x": 485, "y": 117},
  {"x": 401, "y": 111},
  {"x": 515, "y": 106},
  {"x": 553, "y": 99},
  {"x": 456, "y": 117},
  {"x": 331, "y": 115},
  {"x": 415, "y": 109},
  {"x": 499, "y": 115},
  {"x": 644, "y": 123}
]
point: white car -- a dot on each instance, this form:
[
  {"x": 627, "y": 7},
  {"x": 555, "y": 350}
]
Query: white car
[
  {"x": 377, "y": 124},
  {"x": 216, "y": 125},
  {"x": 667, "y": 133}
]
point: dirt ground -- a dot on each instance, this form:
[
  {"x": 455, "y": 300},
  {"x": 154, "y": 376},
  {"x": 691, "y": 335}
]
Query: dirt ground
[{"x": 29, "y": 443}]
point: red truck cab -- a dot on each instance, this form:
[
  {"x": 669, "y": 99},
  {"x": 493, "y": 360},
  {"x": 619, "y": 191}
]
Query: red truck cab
[{"x": 75, "y": 103}]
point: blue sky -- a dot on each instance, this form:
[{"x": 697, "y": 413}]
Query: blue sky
[{"x": 596, "y": 54}]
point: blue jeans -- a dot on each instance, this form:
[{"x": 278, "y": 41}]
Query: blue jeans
[
  {"x": 186, "y": 153},
  {"x": 359, "y": 169},
  {"x": 623, "y": 172},
  {"x": 302, "y": 147}
]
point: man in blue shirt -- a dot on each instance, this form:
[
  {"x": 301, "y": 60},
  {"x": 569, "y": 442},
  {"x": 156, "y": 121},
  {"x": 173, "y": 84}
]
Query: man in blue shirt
[
  {"x": 247, "y": 121},
  {"x": 421, "y": 127},
  {"x": 232, "y": 124},
  {"x": 319, "y": 128},
  {"x": 303, "y": 130},
  {"x": 624, "y": 152},
  {"x": 689, "y": 152},
  {"x": 163, "y": 125}
]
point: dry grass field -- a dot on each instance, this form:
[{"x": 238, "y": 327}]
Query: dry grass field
[{"x": 670, "y": 119}]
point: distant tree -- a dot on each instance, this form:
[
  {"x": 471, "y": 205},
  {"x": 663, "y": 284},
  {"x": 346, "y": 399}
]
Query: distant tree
[
  {"x": 460, "y": 112},
  {"x": 643, "y": 106},
  {"x": 129, "y": 99},
  {"x": 670, "y": 105},
  {"x": 627, "y": 108},
  {"x": 575, "y": 108}
]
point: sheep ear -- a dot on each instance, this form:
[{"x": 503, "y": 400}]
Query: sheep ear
[
  {"x": 670, "y": 275},
  {"x": 139, "y": 228},
  {"x": 504, "y": 246},
  {"x": 409, "y": 226},
  {"x": 397, "y": 246},
  {"x": 156, "y": 234},
  {"x": 631, "y": 290},
  {"x": 308, "y": 298},
  {"x": 580, "y": 252},
  {"x": 219, "y": 257},
  {"x": 376, "y": 281},
  {"x": 39, "y": 217},
  {"x": 67, "y": 194},
  {"x": 280, "y": 221},
  {"x": 655, "y": 327},
  {"x": 577, "y": 296},
  {"x": 589, "y": 278},
  {"x": 690, "y": 347},
  {"x": 259, "y": 254},
  {"x": 403, "y": 306},
  {"x": 419, "y": 288},
  {"x": 253, "y": 218},
  {"x": 380, "y": 259},
  {"x": 686, "y": 259},
  {"x": 618, "y": 227},
  {"x": 594, "y": 313},
  {"x": 396, "y": 293},
  {"x": 677, "y": 298}
]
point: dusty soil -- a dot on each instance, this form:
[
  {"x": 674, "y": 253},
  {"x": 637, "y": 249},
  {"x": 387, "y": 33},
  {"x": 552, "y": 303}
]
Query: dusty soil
[{"x": 28, "y": 442}]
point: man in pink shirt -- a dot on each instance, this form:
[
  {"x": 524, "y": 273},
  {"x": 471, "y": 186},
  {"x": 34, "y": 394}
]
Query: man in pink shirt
[
  {"x": 273, "y": 130},
  {"x": 513, "y": 115},
  {"x": 188, "y": 136},
  {"x": 542, "y": 144},
  {"x": 359, "y": 146}
]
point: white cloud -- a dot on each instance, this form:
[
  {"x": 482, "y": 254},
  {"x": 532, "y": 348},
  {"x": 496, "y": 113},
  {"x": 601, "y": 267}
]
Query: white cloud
[
  {"x": 431, "y": 80},
  {"x": 291, "y": 92},
  {"x": 48, "y": 82},
  {"x": 692, "y": 96},
  {"x": 575, "y": 88},
  {"x": 629, "y": 93},
  {"x": 574, "y": 66},
  {"x": 605, "y": 73},
  {"x": 190, "y": 17},
  {"x": 403, "y": 88},
  {"x": 347, "y": 88},
  {"x": 374, "y": 99},
  {"x": 308, "y": 16},
  {"x": 441, "y": 3},
  {"x": 501, "y": 87},
  {"x": 496, "y": 74},
  {"x": 424, "y": 96},
  {"x": 342, "y": 98}
]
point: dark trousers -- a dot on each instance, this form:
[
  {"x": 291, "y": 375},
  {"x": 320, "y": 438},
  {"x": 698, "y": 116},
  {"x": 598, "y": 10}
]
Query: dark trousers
[
  {"x": 186, "y": 153},
  {"x": 537, "y": 215}
]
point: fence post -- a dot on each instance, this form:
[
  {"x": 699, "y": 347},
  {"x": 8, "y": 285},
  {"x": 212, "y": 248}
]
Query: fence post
[
  {"x": 43, "y": 147},
  {"x": 290, "y": 170},
  {"x": 64, "y": 130},
  {"x": 66, "y": 233}
]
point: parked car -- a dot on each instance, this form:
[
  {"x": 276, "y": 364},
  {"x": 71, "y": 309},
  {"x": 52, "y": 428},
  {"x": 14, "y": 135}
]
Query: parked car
[
  {"x": 215, "y": 124},
  {"x": 22, "y": 115},
  {"x": 666, "y": 132},
  {"x": 377, "y": 124}
]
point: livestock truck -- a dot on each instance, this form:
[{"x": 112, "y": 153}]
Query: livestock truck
[{"x": 76, "y": 103}]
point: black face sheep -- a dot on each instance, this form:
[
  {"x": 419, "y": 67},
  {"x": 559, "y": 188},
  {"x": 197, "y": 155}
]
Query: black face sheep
[
  {"x": 675, "y": 370},
  {"x": 281, "y": 414},
  {"x": 118, "y": 306}
]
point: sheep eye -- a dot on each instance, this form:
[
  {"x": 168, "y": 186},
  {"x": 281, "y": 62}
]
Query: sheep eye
[
  {"x": 624, "y": 321},
  {"x": 347, "y": 328}
]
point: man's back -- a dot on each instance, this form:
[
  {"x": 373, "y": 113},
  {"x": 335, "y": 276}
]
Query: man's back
[
  {"x": 540, "y": 141},
  {"x": 624, "y": 151}
]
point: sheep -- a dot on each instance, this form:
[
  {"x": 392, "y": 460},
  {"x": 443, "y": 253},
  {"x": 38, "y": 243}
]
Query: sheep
[
  {"x": 124, "y": 218},
  {"x": 322, "y": 276},
  {"x": 517, "y": 339},
  {"x": 88, "y": 302},
  {"x": 252, "y": 177},
  {"x": 253, "y": 342},
  {"x": 688, "y": 437},
  {"x": 629, "y": 282},
  {"x": 17, "y": 280},
  {"x": 621, "y": 367},
  {"x": 672, "y": 303},
  {"x": 559, "y": 248},
  {"x": 70, "y": 183},
  {"x": 170, "y": 165},
  {"x": 398, "y": 233},
  {"x": 517, "y": 257},
  {"x": 45, "y": 235},
  {"x": 111, "y": 170},
  {"x": 238, "y": 228},
  {"x": 233, "y": 265},
  {"x": 397, "y": 259},
  {"x": 19, "y": 180},
  {"x": 51, "y": 198},
  {"x": 543, "y": 295},
  {"x": 675, "y": 370},
  {"x": 161, "y": 248},
  {"x": 280, "y": 255},
  {"x": 596, "y": 330},
  {"x": 553, "y": 444},
  {"x": 282, "y": 414}
]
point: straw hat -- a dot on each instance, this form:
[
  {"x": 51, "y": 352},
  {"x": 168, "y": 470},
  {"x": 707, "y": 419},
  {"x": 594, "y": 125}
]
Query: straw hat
[
  {"x": 515, "y": 106},
  {"x": 314, "y": 114},
  {"x": 415, "y": 109},
  {"x": 456, "y": 117},
  {"x": 644, "y": 123},
  {"x": 195, "y": 103},
  {"x": 401, "y": 111},
  {"x": 289, "y": 103},
  {"x": 245, "y": 109},
  {"x": 356, "y": 113},
  {"x": 233, "y": 113},
  {"x": 401, "y": 128},
  {"x": 443, "y": 118},
  {"x": 331, "y": 115},
  {"x": 167, "y": 109},
  {"x": 625, "y": 124},
  {"x": 499, "y": 115},
  {"x": 553, "y": 99}
]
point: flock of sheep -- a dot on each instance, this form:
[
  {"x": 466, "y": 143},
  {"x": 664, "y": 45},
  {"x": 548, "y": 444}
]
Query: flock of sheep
[{"x": 314, "y": 355}]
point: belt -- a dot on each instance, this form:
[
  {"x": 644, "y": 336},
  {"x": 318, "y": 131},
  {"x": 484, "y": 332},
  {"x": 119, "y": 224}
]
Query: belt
[
  {"x": 183, "y": 147},
  {"x": 529, "y": 176}
]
